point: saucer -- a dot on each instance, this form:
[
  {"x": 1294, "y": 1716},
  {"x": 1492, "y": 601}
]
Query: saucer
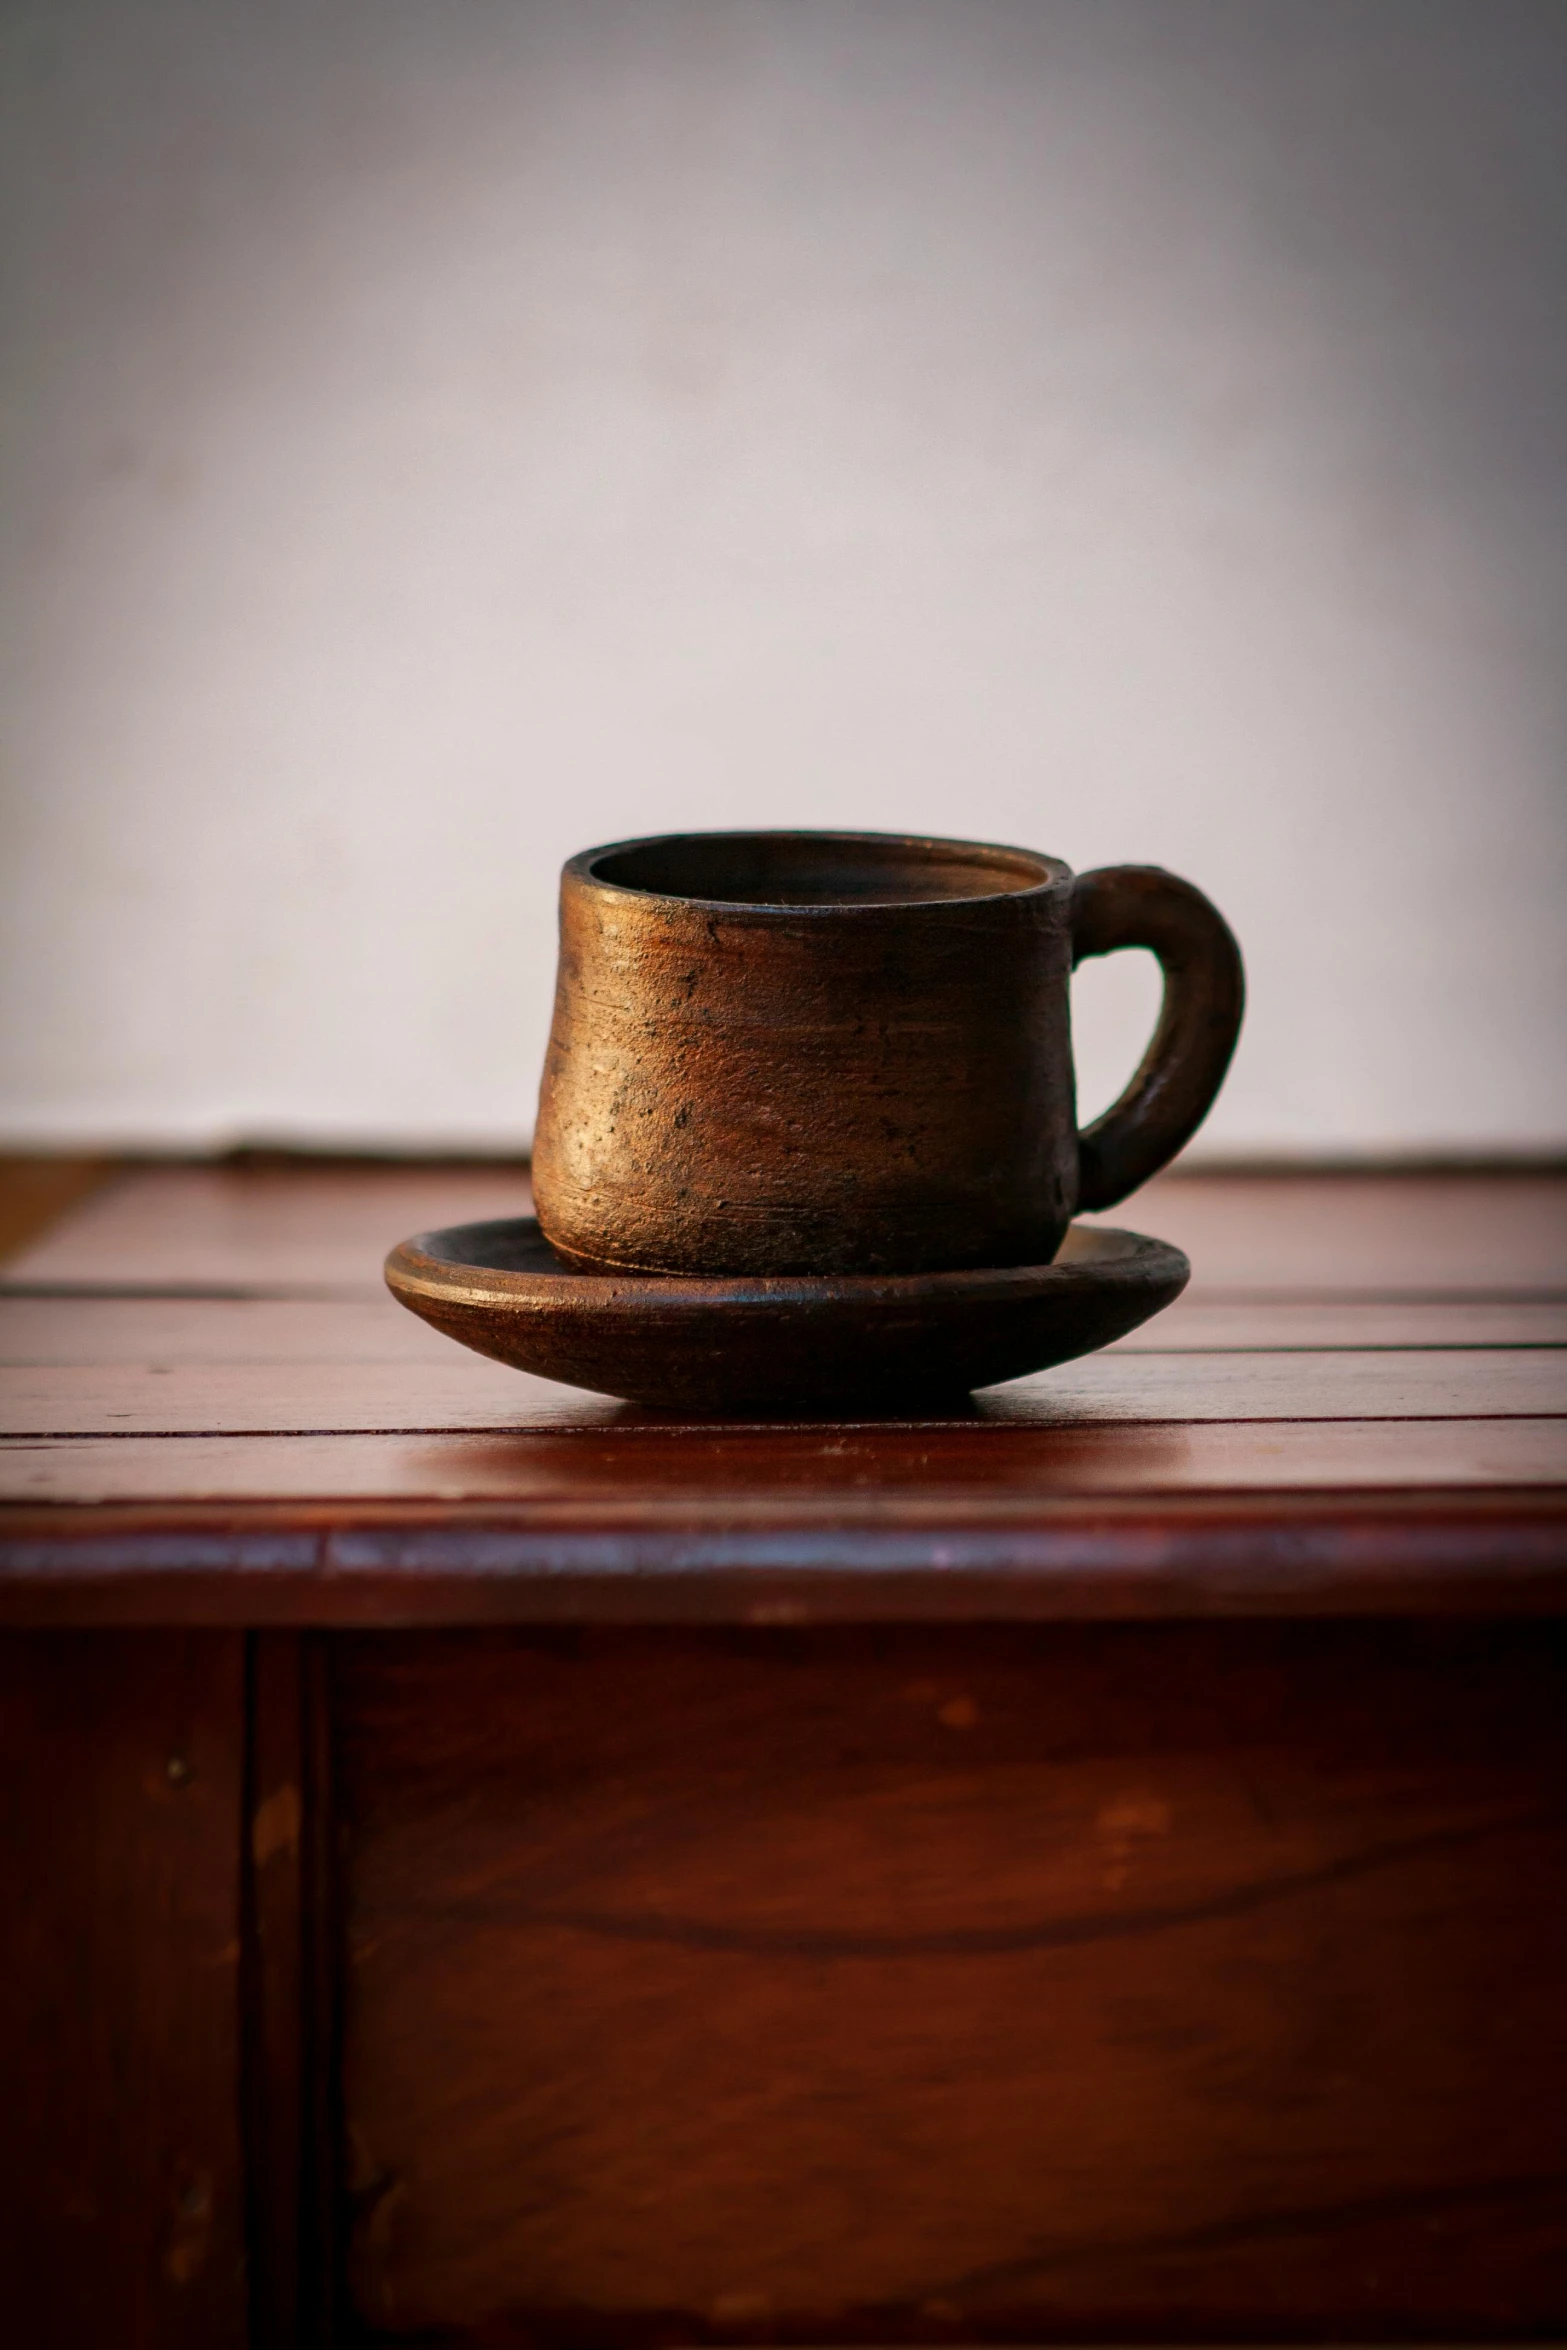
[{"x": 685, "y": 1342}]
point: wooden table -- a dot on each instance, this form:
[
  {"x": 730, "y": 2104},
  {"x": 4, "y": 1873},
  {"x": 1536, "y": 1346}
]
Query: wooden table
[{"x": 487, "y": 1865}]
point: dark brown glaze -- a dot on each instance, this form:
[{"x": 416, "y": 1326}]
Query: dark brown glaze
[
  {"x": 1199, "y": 1021},
  {"x": 676, "y": 1341},
  {"x": 823, "y": 1053}
]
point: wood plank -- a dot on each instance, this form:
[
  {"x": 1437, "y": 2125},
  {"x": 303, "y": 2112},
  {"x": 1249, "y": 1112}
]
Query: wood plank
[
  {"x": 932, "y": 1557},
  {"x": 632, "y": 1470},
  {"x": 1061, "y": 1985},
  {"x": 1389, "y": 1384},
  {"x": 290, "y": 1996},
  {"x": 1200, "y": 1322},
  {"x": 120, "y": 2162},
  {"x": 455, "y": 1389},
  {"x": 330, "y": 1227},
  {"x": 286, "y": 1228},
  {"x": 1445, "y": 1234},
  {"x": 276, "y": 2000},
  {"x": 35, "y": 1191},
  {"x": 153, "y": 1331},
  {"x": 458, "y": 1390}
]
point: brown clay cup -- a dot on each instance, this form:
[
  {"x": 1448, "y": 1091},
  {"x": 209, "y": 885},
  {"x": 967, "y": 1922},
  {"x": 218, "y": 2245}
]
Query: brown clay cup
[{"x": 830, "y": 1053}]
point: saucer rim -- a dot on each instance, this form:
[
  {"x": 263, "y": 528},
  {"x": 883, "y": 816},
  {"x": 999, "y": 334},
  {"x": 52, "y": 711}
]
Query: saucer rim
[{"x": 422, "y": 1266}]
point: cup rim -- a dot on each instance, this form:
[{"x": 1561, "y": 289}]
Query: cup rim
[{"x": 1053, "y": 872}]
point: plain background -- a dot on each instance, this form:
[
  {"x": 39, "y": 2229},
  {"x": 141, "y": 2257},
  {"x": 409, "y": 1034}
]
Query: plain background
[{"x": 441, "y": 434}]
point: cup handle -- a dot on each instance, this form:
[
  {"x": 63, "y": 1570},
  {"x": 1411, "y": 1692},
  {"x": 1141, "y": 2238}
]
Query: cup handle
[{"x": 1199, "y": 1021}]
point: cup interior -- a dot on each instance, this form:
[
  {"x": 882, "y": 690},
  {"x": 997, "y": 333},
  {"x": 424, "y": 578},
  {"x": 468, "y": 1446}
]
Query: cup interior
[{"x": 819, "y": 869}]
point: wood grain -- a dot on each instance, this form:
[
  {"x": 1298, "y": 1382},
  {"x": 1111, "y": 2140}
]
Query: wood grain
[
  {"x": 290, "y": 2091},
  {"x": 1248, "y": 1324},
  {"x": 121, "y": 2194},
  {"x": 148, "y": 1331},
  {"x": 286, "y": 1228},
  {"x": 1447, "y": 1235},
  {"x": 822, "y": 1966},
  {"x": 725, "y": 1477},
  {"x": 1032, "y": 1986},
  {"x": 454, "y": 1390},
  {"x": 35, "y": 1191},
  {"x": 461, "y": 1391},
  {"x": 330, "y": 1227},
  {"x": 152, "y": 1331},
  {"x": 276, "y": 1995},
  {"x": 953, "y": 1558}
]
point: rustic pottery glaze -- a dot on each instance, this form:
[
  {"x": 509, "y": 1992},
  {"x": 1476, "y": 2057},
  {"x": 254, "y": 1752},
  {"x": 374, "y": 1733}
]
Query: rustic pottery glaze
[
  {"x": 850, "y": 1342},
  {"x": 794, "y": 1053}
]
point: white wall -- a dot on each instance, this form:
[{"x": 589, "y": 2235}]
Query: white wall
[{"x": 445, "y": 433}]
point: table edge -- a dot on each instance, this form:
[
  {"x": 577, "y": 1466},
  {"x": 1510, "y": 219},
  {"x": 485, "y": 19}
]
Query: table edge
[{"x": 724, "y": 1561}]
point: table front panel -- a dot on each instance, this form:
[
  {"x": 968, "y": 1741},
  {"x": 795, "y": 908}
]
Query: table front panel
[{"x": 1052, "y": 1983}]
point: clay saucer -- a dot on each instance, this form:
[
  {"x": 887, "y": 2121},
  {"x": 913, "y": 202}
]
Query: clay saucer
[{"x": 690, "y": 1343}]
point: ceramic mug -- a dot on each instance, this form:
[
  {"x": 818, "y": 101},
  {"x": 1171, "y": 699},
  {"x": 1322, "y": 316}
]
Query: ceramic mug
[{"x": 817, "y": 1052}]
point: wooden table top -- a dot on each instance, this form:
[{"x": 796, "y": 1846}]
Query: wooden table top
[{"x": 214, "y": 1413}]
